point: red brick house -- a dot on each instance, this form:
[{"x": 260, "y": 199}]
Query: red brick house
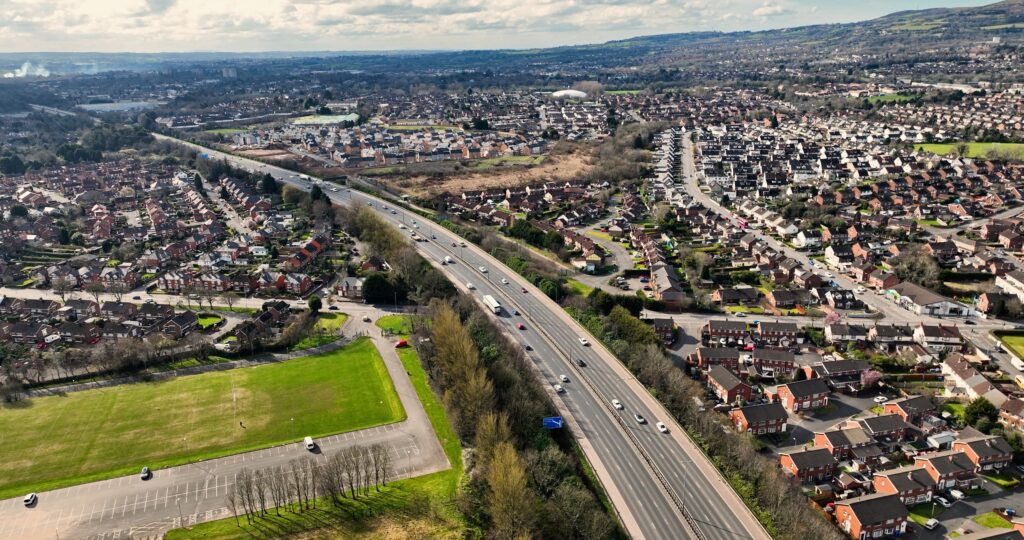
[
  {"x": 761, "y": 419},
  {"x": 912, "y": 484},
  {"x": 987, "y": 452},
  {"x": 911, "y": 409},
  {"x": 726, "y": 386},
  {"x": 809, "y": 465},
  {"x": 948, "y": 469},
  {"x": 801, "y": 395},
  {"x": 872, "y": 516}
]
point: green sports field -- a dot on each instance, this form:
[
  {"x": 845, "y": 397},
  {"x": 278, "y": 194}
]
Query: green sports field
[
  {"x": 64, "y": 440},
  {"x": 977, "y": 149}
]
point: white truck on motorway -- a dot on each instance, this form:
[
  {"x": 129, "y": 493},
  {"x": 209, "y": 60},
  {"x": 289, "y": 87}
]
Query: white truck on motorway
[
  {"x": 1017, "y": 363},
  {"x": 493, "y": 304}
]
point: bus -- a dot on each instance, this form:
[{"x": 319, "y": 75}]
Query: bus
[{"x": 493, "y": 304}]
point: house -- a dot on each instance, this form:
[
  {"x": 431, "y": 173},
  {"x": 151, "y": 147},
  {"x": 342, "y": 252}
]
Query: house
[
  {"x": 848, "y": 443},
  {"x": 737, "y": 296},
  {"x": 726, "y": 386},
  {"x": 872, "y": 516},
  {"x": 911, "y": 409},
  {"x": 887, "y": 430},
  {"x": 841, "y": 375},
  {"x": 181, "y": 324},
  {"x": 664, "y": 327},
  {"x": 845, "y": 333},
  {"x": 779, "y": 333},
  {"x": 948, "y": 469},
  {"x": 925, "y": 302},
  {"x": 761, "y": 419},
  {"x": 801, "y": 395},
  {"x": 912, "y": 484},
  {"x": 809, "y": 465},
  {"x": 987, "y": 452},
  {"x": 720, "y": 332},
  {"x": 939, "y": 337},
  {"x": 77, "y": 332},
  {"x": 882, "y": 280}
]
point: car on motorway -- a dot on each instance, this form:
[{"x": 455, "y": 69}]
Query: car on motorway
[
  {"x": 394, "y": 212},
  {"x": 433, "y": 236},
  {"x": 528, "y": 347},
  {"x": 639, "y": 418},
  {"x": 617, "y": 404},
  {"x": 462, "y": 243},
  {"x": 524, "y": 289},
  {"x": 563, "y": 378},
  {"x": 931, "y": 523},
  {"x": 559, "y": 388},
  {"x": 453, "y": 244},
  {"x": 401, "y": 226},
  {"x": 581, "y": 362},
  {"x": 584, "y": 342},
  {"x": 334, "y": 189},
  {"x": 943, "y": 502},
  {"x": 504, "y": 281},
  {"x": 521, "y": 326},
  {"x": 146, "y": 473},
  {"x": 515, "y": 311},
  {"x": 880, "y": 399},
  {"x": 470, "y": 286},
  {"x": 369, "y": 203},
  {"x": 482, "y": 269},
  {"x": 662, "y": 427},
  {"x": 30, "y": 499}
]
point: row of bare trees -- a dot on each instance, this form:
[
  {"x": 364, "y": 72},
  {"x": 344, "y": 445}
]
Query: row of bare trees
[{"x": 352, "y": 473}]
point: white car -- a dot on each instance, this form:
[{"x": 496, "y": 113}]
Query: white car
[
  {"x": 880, "y": 399},
  {"x": 931, "y": 524},
  {"x": 483, "y": 269},
  {"x": 504, "y": 281},
  {"x": 563, "y": 378},
  {"x": 957, "y": 494},
  {"x": 470, "y": 286},
  {"x": 617, "y": 404},
  {"x": 639, "y": 418},
  {"x": 559, "y": 389},
  {"x": 30, "y": 499},
  {"x": 942, "y": 501},
  {"x": 662, "y": 427},
  {"x": 584, "y": 342},
  {"x": 401, "y": 226}
]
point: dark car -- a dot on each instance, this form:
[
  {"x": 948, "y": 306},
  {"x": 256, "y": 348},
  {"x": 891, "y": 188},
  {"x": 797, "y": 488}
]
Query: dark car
[
  {"x": 146, "y": 473},
  {"x": 581, "y": 362}
]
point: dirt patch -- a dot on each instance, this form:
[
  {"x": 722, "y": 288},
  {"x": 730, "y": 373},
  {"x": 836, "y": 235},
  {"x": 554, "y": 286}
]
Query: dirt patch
[{"x": 554, "y": 168}]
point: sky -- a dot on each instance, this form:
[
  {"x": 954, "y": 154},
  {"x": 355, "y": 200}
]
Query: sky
[{"x": 347, "y": 25}]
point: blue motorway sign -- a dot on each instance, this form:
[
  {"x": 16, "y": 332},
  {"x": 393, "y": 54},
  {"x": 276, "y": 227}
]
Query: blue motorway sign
[{"x": 553, "y": 422}]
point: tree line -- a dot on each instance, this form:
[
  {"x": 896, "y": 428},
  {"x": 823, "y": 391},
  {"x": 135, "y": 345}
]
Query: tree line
[
  {"x": 349, "y": 474},
  {"x": 523, "y": 481}
]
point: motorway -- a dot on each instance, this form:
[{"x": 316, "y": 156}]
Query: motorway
[
  {"x": 128, "y": 507},
  {"x": 649, "y": 476}
]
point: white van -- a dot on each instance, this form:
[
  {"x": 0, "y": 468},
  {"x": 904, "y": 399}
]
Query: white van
[{"x": 310, "y": 445}]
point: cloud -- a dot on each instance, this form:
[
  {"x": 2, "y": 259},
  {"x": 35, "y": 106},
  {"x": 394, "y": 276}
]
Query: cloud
[
  {"x": 252, "y": 25},
  {"x": 771, "y": 9}
]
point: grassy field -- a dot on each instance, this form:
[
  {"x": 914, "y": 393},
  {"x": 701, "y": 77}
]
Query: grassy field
[
  {"x": 325, "y": 331},
  {"x": 206, "y": 321},
  {"x": 396, "y": 324},
  {"x": 889, "y": 98},
  {"x": 578, "y": 288},
  {"x": 407, "y": 509},
  {"x": 1015, "y": 343},
  {"x": 226, "y": 131},
  {"x": 925, "y": 511},
  {"x": 992, "y": 520},
  {"x": 64, "y": 440},
  {"x": 977, "y": 149},
  {"x": 487, "y": 163}
]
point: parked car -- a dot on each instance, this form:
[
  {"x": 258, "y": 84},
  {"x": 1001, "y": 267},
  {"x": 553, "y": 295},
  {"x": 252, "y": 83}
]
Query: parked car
[
  {"x": 30, "y": 499},
  {"x": 931, "y": 524},
  {"x": 957, "y": 494},
  {"x": 880, "y": 399},
  {"x": 942, "y": 501},
  {"x": 146, "y": 473}
]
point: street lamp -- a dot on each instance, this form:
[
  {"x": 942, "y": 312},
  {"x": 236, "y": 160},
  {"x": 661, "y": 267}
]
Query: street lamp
[{"x": 181, "y": 517}]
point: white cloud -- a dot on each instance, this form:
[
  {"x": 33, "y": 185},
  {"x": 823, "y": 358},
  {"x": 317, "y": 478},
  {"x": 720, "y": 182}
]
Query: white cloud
[{"x": 252, "y": 25}]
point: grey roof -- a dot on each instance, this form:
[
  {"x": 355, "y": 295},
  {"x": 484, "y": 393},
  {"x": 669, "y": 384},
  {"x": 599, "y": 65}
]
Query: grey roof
[
  {"x": 908, "y": 478},
  {"x": 807, "y": 387},
  {"x": 883, "y": 423},
  {"x": 811, "y": 457},
  {"x": 871, "y": 509},
  {"x": 763, "y": 412},
  {"x": 723, "y": 377}
]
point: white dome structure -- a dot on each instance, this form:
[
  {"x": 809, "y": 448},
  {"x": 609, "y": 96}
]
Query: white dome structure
[{"x": 569, "y": 94}]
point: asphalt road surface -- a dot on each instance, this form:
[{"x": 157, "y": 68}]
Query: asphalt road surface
[
  {"x": 128, "y": 507},
  {"x": 650, "y": 477}
]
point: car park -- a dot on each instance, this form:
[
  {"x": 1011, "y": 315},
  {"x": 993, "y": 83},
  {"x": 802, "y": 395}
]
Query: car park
[
  {"x": 662, "y": 427},
  {"x": 30, "y": 499},
  {"x": 639, "y": 418},
  {"x": 617, "y": 404}
]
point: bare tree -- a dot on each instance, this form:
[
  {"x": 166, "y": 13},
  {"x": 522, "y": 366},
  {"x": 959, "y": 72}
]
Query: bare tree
[
  {"x": 63, "y": 285},
  {"x": 234, "y": 507},
  {"x": 118, "y": 289},
  {"x": 229, "y": 298},
  {"x": 95, "y": 289}
]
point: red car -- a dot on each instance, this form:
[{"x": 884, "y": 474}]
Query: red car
[
  {"x": 40, "y": 346},
  {"x": 521, "y": 326}
]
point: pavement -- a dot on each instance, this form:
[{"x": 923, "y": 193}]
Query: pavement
[
  {"x": 128, "y": 507},
  {"x": 661, "y": 485}
]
